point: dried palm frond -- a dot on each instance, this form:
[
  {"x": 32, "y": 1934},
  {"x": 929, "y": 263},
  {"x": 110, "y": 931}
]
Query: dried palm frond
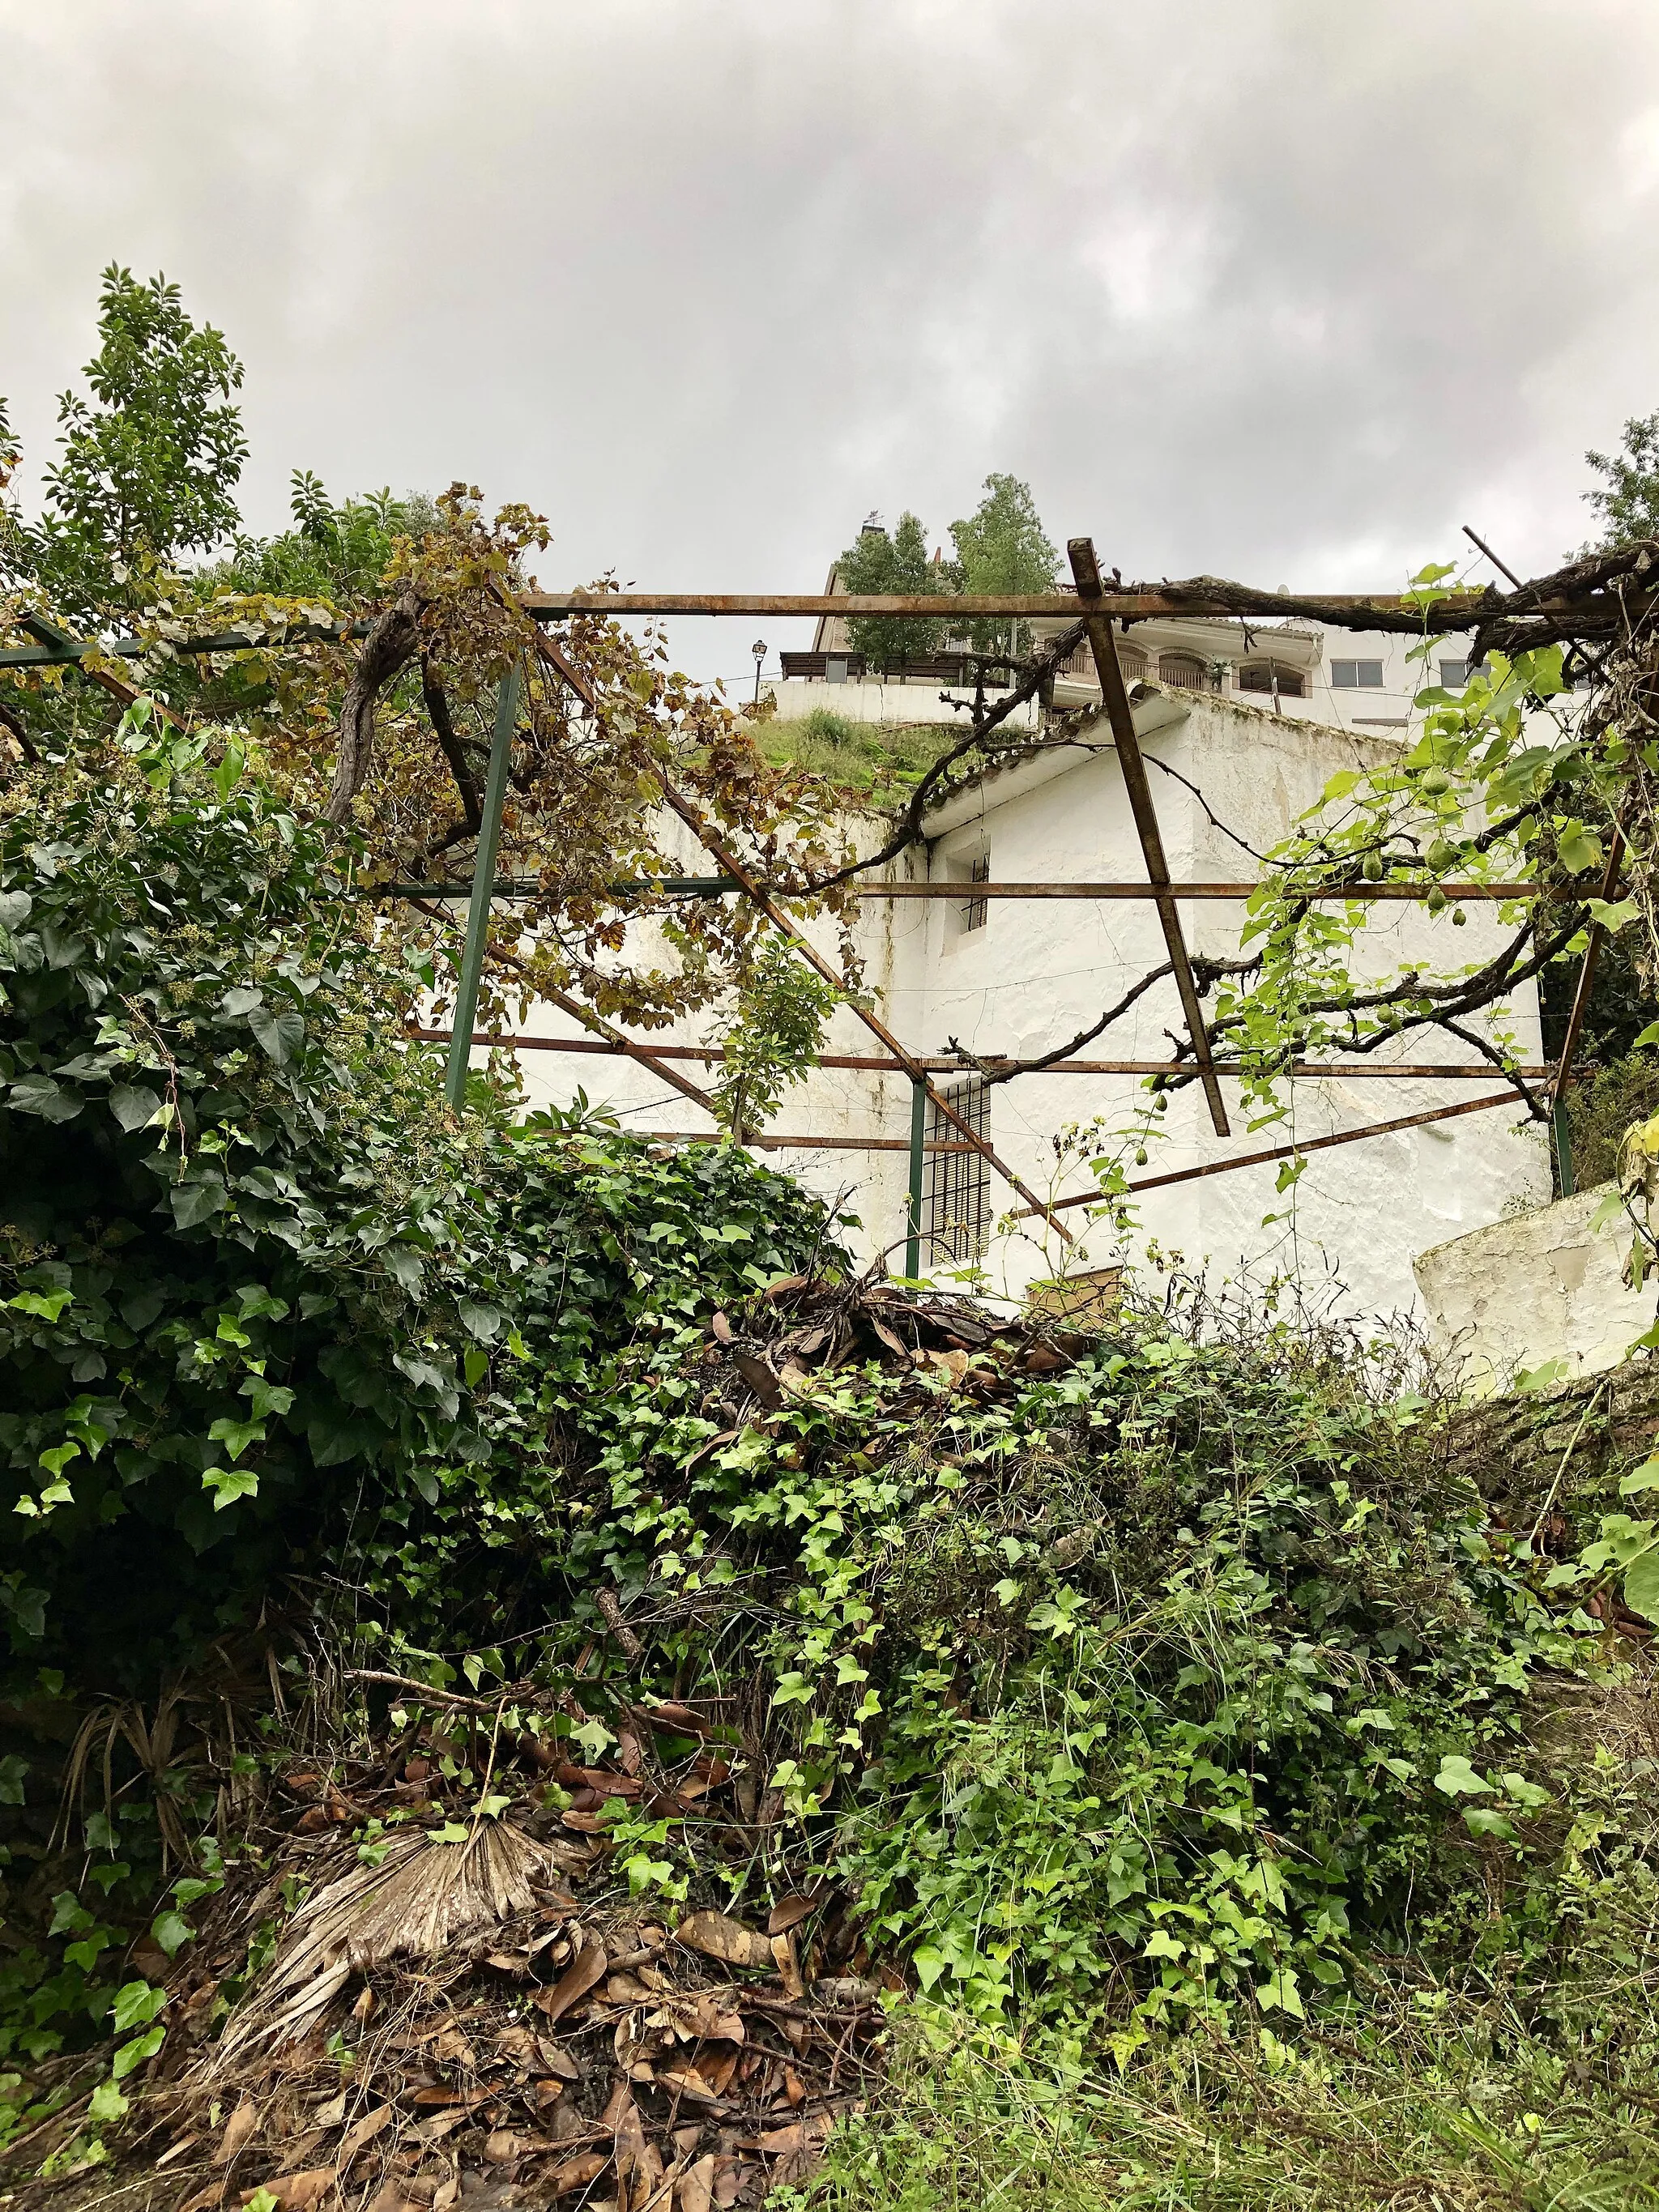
[{"x": 421, "y": 1897}]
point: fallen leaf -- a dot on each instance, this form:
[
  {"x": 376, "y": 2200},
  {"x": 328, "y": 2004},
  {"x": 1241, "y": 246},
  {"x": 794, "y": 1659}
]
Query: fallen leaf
[
  {"x": 389, "y": 2197},
  {"x": 728, "y": 2183},
  {"x": 585, "y": 1970},
  {"x": 332, "y": 2114},
  {"x": 585, "y": 1823},
  {"x": 722, "y": 1328},
  {"x": 840, "y": 1992},
  {"x": 1042, "y": 1360},
  {"x": 502, "y": 2147},
  {"x": 297, "y": 2192},
  {"x": 785, "y": 1284},
  {"x": 695, "y": 2188},
  {"x": 517, "y": 2043},
  {"x": 759, "y": 1377},
  {"x": 718, "y": 1937},
  {"x": 239, "y": 2129},
  {"x": 630, "y": 2138},
  {"x": 508, "y": 1962},
  {"x": 447, "y": 2191},
  {"x": 623, "y": 1989},
  {"x": 187, "y": 2142},
  {"x": 689, "y": 2082},
  {"x": 894, "y": 1343},
  {"x": 783, "y": 1952},
  {"x": 789, "y": 1912},
  {"x": 574, "y": 2173},
  {"x": 445, "y": 2123},
  {"x": 439, "y": 2095},
  {"x": 556, "y": 2061},
  {"x": 361, "y": 2132}
]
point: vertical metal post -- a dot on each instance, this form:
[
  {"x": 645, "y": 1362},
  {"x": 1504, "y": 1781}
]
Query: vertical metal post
[
  {"x": 918, "y": 1156},
  {"x": 1563, "y": 1136},
  {"x": 483, "y": 885}
]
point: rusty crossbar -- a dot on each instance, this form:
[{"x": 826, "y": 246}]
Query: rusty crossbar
[
  {"x": 1295, "y": 1152},
  {"x": 1334, "y": 1071}
]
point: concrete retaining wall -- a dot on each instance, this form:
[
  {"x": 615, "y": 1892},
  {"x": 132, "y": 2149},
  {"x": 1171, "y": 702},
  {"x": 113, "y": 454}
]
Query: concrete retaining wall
[{"x": 1543, "y": 1286}]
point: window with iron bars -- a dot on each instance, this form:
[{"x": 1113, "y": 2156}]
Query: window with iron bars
[
  {"x": 955, "y": 1208},
  {"x": 976, "y": 909}
]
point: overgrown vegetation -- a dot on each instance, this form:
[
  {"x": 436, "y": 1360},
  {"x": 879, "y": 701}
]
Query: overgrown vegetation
[
  {"x": 878, "y": 761},
  {"x": 434, "y": 1532}
]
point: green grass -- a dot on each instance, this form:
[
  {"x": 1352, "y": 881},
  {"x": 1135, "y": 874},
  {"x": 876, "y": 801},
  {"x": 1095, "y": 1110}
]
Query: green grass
[
  {"x": 1414, "y": 2108},
  {"x": 881, "y": 761}
]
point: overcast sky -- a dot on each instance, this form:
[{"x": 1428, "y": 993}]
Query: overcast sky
[{"x": 1283, "y": 289}]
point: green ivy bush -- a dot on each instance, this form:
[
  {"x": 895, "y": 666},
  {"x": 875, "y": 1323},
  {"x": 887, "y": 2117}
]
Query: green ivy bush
[
  {"x": 1163, "y": 1685},
  {"x": 266, "y": 1308}
]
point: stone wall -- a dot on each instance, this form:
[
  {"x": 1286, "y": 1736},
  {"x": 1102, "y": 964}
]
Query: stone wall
[{"x": 1547, "y": 1284}]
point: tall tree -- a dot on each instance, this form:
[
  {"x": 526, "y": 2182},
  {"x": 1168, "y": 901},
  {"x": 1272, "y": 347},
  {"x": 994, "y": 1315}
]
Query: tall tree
[
  {"x": 1628, "y": 500},
  {"x": 879, "y": 561},
  {"x": 148, "y": 466},
  {"x": 1003, "y": 547}
]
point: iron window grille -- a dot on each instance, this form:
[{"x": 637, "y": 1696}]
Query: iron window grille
[
  {"x": 974, "y": 912},
  {"x": 956, "y": 1210}
]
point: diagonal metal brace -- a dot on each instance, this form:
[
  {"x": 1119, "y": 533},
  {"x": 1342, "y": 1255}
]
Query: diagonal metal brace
[{"x": 1086, "y": 571}]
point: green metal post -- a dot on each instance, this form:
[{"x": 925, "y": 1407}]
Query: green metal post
[
  {"x": 1562, "y": 1137},
  {"x": 913, "y": 1215},
  {"x": 484, "y": 884}
]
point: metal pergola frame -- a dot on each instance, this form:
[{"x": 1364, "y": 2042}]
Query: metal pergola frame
[{"x": 1098, "y": 609}]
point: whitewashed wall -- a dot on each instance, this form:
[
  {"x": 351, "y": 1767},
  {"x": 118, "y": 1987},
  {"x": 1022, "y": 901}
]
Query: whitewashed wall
[{"x": 1040, "y": 970}]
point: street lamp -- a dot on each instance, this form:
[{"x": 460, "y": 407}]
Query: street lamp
[{"x": 759, "y": 648}]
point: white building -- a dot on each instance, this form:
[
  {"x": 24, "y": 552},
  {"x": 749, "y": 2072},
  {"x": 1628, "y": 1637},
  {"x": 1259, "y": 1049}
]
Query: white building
[{"x": 1019, "y": 977}]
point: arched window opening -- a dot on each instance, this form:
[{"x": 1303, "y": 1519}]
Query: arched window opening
[
  {"x": 1271, "y": 675},
  {"x": 1183, "y": 669}
]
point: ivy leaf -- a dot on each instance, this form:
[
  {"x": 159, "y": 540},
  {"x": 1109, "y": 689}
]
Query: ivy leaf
[
  {"x": 196, "y": 1202},
  {"x": 1579, "y": 849},
  {"x": 1613, "y": 914},
  {"x": 237, "y": 1435},
  {"x": 1457, "y": 1778},
  {"x": 135, "y": 2053},
  {"x": 107, "y": 2104},
  {"x": 172, "y": 1931},
  {"x": 1279, "y": 1993},
  {"x": 1481, "y": 1820},
  {"x": 15, "y": 907},
  {"x": 1642, "y": 1585},
  {"x": 483, "y": 1322},
  {"x": 242, "y": 1000},
  {"x": 281, "y": 1035},
  {"x": 44, "y": 1306},
  {"x": 135, "y": 2005},
  {"x": 227, "y": 1484},
  {"x": 1645, "y": 1477},
  {"x": 133, "y": 1107},
  {"x": 47, "y": 1101}
]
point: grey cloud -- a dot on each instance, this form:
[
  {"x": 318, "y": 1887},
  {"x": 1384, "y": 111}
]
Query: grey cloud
[{"x": 1285, "y": 290}]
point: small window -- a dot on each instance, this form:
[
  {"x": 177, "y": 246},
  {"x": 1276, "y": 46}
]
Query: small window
[
  {"x": 955, "y": 1208},
  {"x": 1454, "y": 674},
  {"x": 1132, "y": 661},
  {"x": 1357, "y": 675},
  {"x": 975, "y": 910},
  {"x": 834, "y": 668},
  {"x": 1271, "y": 677}
]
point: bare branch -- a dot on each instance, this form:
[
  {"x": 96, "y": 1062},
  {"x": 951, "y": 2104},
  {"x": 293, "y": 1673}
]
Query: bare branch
[
  {"x": 388, "y": 648},
  {"x": 437, "y": 706}
]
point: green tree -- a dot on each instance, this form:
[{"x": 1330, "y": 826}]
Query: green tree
[
  {"x": 1003, "y": 547},
  {"x": 147, "y": 467},
  {"x": 1628, "y": 499},
  {"x": 877, "y": 561}
]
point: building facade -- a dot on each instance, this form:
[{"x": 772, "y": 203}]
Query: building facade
[{"x": 1232, "y": 771}]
